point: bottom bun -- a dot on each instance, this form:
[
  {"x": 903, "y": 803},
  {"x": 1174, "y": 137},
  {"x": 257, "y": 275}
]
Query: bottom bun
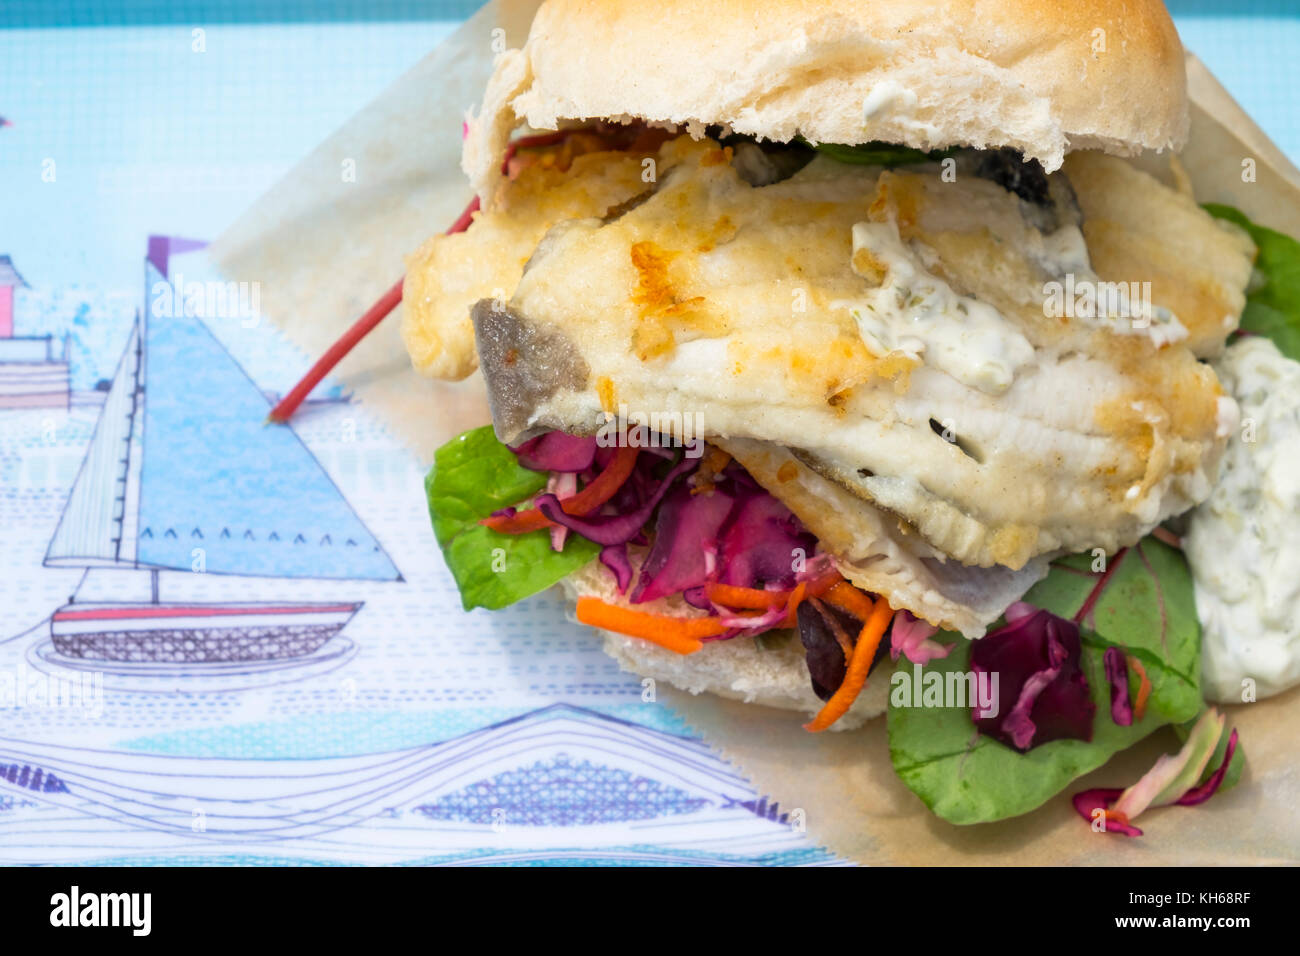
[{"x": 768, "y": 670}]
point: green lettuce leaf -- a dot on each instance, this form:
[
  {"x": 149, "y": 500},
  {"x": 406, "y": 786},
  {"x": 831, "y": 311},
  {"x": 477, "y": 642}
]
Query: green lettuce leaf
[
  {"x": 1143, "y": 604},
  {"x": 474, "y": 475},
  {"x": 880, "y": 154},
  {"x": 1273, "y": 307}
]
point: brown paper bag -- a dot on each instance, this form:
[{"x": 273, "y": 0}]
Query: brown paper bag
[{"x": 324, "y": 248}]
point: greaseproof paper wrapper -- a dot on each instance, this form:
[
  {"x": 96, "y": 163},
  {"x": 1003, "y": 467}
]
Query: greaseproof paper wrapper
[{"x": 332, "y": 236}]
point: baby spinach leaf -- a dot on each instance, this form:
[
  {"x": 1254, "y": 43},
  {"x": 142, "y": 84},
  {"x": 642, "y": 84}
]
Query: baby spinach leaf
[
  {"x": 474, "y": 475},
  {"x": 1142, "y": 602},
  {"x": 1273, "y": 308}
]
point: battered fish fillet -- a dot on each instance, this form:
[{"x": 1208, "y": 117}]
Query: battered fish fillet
[
  {"x": 1139, "y": 234},
  {"x": 1001, "y": 433},
  {"x": 880, "y": 553},
  {"x": 448, "y": 274}
]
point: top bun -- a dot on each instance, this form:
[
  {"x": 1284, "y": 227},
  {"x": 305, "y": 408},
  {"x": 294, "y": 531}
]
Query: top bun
[{"x": 1041, "y": 76}]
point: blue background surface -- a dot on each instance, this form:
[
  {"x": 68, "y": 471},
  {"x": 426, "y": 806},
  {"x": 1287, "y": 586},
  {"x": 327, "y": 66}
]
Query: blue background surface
[{"x": 150, "y": 136}]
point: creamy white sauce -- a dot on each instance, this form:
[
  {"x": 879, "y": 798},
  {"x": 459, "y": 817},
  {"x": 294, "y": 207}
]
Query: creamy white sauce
[
  {"x": 1064, "y": 251},
  {"x": 884, "y": 96},
  {"x": 1244, "y": 542},
  {"x": 897, "y": 101},
  {"x": 915, "y": 312}
]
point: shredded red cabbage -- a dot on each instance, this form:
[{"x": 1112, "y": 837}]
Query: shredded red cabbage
[
  {"x": 556, "y": 451},
  {"x": 562, "y": 484},
  {"x": 1167, "y": 782},
  {"x": 1121, "y": 710},
  {"x": 751, "y": 622},
  {"x": 1211, "y": 786},
  {"x": 1042, "y": 692},
  {"x": 676, "y": 562},
  {"x": 615, "y": 557},
  {"x": 698, "y": 597},
  {"x": 1089, "y": 802},
  {"x": 723, "y": 527},
  {"x": 909, "y": 636},
  {"x": 761, "y": 543},
  {"x": 1018, "y": 610},
  {"x": 612, "y": 528}
]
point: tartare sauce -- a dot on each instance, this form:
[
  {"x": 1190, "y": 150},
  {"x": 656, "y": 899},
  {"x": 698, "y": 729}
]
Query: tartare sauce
[
  {"x": 1243, "y": 543},
  {"x": 915, "y": 312}
]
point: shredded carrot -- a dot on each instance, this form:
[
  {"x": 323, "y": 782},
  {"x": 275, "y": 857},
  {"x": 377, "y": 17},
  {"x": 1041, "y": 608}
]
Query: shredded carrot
[
  {"x": 604, "y": 485},
  {"x": 518, "y": 523},
  {"x": 815, "y": 588},
  {"x": 848, "y": 598},
  {"x": 601, "y": 489},
  {"x": 679, "y": 634},
  {"x": 855, "y": 678},
  {"x": 732, "y": 595},
  {"x": 792, "y": 606},
  {"x": 759, "y": 600},
  {"x": 819, "y": 586},
  {"x": 1144, "y": 687}
]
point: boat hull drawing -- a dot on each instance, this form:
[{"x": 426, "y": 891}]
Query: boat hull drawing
[{"x": 195, "y": 633}]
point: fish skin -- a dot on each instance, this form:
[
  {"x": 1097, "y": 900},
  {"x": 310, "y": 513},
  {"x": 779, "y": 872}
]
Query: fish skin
[{"x": 524, "y": 365}]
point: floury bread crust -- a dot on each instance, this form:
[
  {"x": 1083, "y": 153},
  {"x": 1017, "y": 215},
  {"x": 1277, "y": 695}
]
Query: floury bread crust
[{"x": 1041, "y": 76}]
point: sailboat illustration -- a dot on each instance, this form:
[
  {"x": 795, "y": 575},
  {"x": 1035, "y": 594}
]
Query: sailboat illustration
[{"x": 183, "y": 478}]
